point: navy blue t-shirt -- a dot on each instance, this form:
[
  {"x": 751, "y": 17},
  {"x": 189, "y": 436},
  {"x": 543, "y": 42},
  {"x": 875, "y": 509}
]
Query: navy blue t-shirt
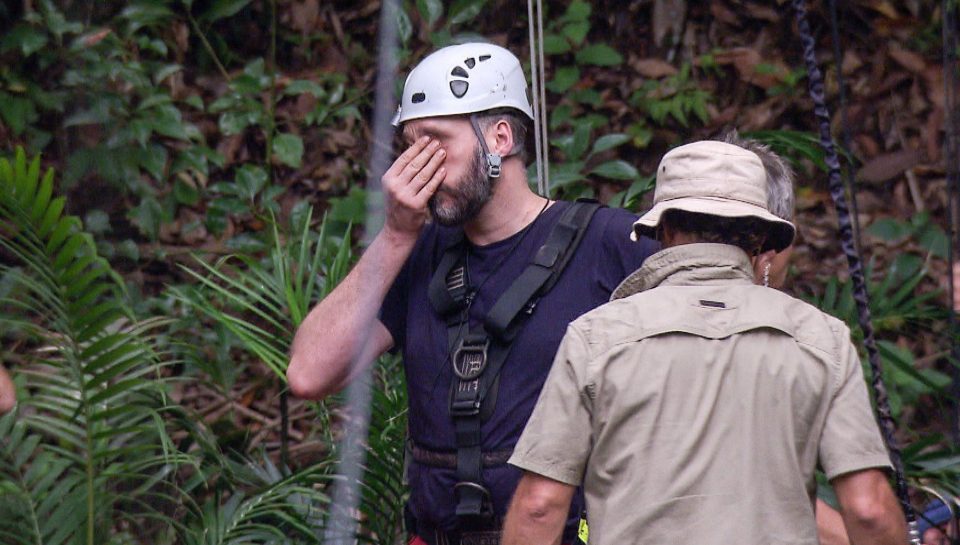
[{"x": 606, "y": 255}]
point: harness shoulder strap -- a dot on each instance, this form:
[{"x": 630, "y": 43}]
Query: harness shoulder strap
[{"x": 540, "y": 275}]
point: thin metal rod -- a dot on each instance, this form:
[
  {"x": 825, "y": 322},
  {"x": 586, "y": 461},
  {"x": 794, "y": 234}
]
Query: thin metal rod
[
  {"x": 545, "y": 143},
  {"x": 855, "y": 264},
  {"x": 342, "y": 523},
  {"x": 537, "y": 113}
]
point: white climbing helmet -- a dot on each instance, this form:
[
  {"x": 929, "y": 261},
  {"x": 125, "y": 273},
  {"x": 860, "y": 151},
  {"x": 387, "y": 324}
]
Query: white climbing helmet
[{"x": 464, "y": 79}]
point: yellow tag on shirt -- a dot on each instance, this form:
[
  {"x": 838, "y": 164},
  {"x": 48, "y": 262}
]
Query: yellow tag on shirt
[{"x": 583, "y": 532}]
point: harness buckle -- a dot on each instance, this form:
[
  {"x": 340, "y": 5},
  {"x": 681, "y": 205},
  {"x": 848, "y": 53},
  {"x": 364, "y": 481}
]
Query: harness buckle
[{"x": 470, "y": 358}]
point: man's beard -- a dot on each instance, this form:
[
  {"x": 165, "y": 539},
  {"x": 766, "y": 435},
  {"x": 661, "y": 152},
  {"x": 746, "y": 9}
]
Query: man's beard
[{"x": 465, "y": 198}]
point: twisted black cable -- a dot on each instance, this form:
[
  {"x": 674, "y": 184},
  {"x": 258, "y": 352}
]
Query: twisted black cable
[{"x": 855, "y": 263}]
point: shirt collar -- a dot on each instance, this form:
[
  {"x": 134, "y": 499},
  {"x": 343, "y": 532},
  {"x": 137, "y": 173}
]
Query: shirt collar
[{"x": 689, "y": 264}]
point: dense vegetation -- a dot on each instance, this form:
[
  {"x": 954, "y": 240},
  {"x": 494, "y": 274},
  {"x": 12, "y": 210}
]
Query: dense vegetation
[{"x": 189, "y": 182}]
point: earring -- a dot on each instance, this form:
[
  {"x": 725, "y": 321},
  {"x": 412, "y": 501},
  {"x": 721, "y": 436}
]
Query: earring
[{"x": 766, "y": 275}]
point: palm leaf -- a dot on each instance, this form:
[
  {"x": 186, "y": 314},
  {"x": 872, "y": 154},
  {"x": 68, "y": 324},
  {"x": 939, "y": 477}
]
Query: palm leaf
[{"x": 90, "y": 422}]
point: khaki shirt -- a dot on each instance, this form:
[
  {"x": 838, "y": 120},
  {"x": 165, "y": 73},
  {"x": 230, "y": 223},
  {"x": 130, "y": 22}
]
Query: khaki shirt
[{"x": 697, "y": 411}]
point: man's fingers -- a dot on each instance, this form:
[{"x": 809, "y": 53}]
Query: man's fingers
[
  {"x": 404, "y": 159},
  {"x": 422, "y": 159},
  {"x": 431, "y": 186},
  {"x": 424, "y": 175}
]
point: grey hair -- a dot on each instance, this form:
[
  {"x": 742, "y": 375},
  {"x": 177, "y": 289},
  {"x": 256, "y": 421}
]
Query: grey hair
[
  {"x": 518, "y": 122},
  {"x": 780, "y": 177}
]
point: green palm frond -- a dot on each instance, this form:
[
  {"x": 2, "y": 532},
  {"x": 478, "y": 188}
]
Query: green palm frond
[
  {"x": 92, "y": 375},
  {"x": 263, "y": 302}
]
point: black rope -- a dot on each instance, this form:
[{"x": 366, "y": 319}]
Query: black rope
[
  {"x": 844, "y": 123},
  {"x": 855, "y": 263}
]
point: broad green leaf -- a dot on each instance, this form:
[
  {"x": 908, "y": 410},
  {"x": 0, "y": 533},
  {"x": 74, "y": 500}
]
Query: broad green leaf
[
  {"x": 616, "y": 169},
  {"x": 563, "y": 79},
  {"x": 250, "y": 180},
  {"x": 24, "y": 37},
  {"x": 96, "y": 221},
  {"x": 581, "y": 141},
  {"x": 404, "y": 26},
  {"x": 555, "y": 45},
  {"x": 300, "y": 86},
  {"x": 221, "y": 9},
  {"x": 17, "y": 112},
  {"x": 288, "y": 149},
  {"x": 610, "y": 141},
  {"x": 185, "y": 192},
  {"x": 889, "y": 229},
  {"x": 576, "y": 32},
  {"x": 600, "y": 55},
  {"x": 430, "y": 10},
  {"x": 147, "y": 216},
  {"x": 464, "y": 10},
  {"x": 578, "y": 10}
]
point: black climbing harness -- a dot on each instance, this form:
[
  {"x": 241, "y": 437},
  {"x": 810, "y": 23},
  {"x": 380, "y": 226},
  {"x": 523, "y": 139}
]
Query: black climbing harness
[
  {"x": 479, "y": 352},
  {"x": 855, "y": 264}
]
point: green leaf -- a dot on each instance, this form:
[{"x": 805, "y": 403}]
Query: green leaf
[
  {"x": 250, "y": 180},
  {"x": 464, "y": 10},
  {"x": 617, "y": 170},
  {"x": 609, "y": 141},
  {"x": 129, "y": 250},
  {"x": 555, "y": 45},
  {"x": 96, "y": 221},
  {"x": 576, "y": 32},
  {"x": 599, "y": 55},
  {"x": 301, "y": 86},
  {"x": 577, "y": 11},
  {"x": 288, "y": 149},
  {"x": 889, "y": 229},
  {"x": 580, "y": 143},
  {"x": 26, "y": 38},
  {"x": 404, "y": 26},
  {"x": 563, "y": 79},
  {"x": 17, "y": 113},
  {"x": 430, "y": 10},
  {"x": 153, "y": 159},
  {"x": 221, "y": 9},
  {"x": 147, "y": 216},
  {"x": 185, "y": 192}
]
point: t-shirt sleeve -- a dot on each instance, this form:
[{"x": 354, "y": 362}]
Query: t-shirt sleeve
[
  {"x": 393, "y": 311},
  {"x": 851, "y": 439},
  {"x": 556, "y": 441},
  {"x": 620, "y": 256}
]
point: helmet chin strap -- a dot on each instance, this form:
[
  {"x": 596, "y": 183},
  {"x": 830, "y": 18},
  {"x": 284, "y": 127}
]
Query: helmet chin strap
[{"x": 494, "y": 160}]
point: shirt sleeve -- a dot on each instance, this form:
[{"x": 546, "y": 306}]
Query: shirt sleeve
[
  {"x": 557, "y": 440},
  {"x": 620, "y": 256},
  {"x": 393, "y": 311},
  {"x": 851, "y": 439}
]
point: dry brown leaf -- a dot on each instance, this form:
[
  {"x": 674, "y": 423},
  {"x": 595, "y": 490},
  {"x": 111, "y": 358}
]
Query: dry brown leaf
[
  {"x": 888, "y": 166},
  {"x": 886, "y": 8},
  {"x": 747, "y": 61},
  {"x": 653, "y": 68},
  {"x": 722, "y": 13},
  {"x": 933, "y": 82},
  {"x": 851, "y": 62},
  {"x": 763, "y": 12},
  {"x": 907, "y": 59},
  {"x": 304, "y": 16}
]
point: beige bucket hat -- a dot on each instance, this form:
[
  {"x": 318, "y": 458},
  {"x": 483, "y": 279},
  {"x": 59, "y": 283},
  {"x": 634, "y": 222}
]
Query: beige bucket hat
[{"x": 717, "y": 179}]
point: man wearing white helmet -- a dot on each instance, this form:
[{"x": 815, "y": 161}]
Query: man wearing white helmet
[{"x": 476, "y": 300}]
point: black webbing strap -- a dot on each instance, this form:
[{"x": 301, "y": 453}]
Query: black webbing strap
[
  {"x": 522, "y": 296},
  {"x": 478, "y": 354}
]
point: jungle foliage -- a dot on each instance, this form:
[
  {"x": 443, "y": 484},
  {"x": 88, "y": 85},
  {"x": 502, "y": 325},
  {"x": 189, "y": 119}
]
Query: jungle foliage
[{"x": 211, "y": 158}]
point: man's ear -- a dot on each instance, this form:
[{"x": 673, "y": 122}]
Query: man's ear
[
  {"x": 500, "y": 138},
  {"x": 760, "y": 261}
]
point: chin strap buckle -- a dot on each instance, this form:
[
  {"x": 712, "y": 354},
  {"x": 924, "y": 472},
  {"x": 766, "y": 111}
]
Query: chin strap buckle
[{"x": 494, "y": 161}]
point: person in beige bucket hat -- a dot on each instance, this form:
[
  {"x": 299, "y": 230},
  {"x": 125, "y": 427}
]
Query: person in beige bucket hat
[
  {"x": 696, "y": 405},
  {"x": 718, "y": 179}
]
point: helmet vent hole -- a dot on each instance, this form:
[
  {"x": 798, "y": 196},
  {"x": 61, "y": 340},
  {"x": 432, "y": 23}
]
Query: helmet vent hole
[
  {"x": 484, "y": 57},
  {"x": 459, "y": 88},
  {"x": 459, "y": 72},
  {"x": 471, "y": 62},
  {"x": 417, "y": 98}
]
